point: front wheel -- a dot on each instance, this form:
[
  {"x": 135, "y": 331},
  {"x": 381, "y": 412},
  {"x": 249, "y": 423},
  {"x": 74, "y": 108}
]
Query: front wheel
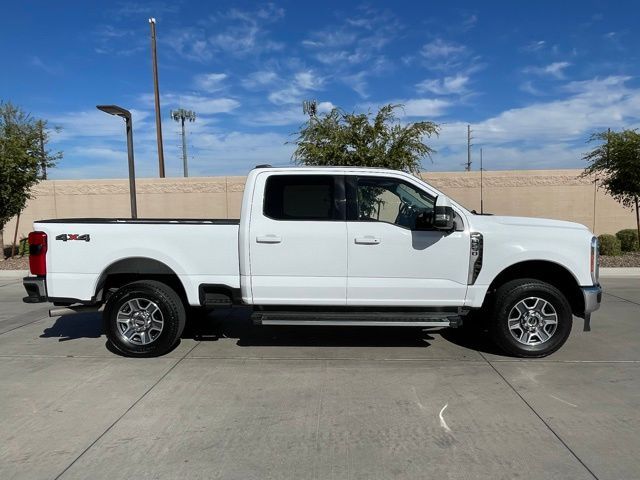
[
  {"x": 530, "y": 318},
  {"x": 144, "y": 319}
]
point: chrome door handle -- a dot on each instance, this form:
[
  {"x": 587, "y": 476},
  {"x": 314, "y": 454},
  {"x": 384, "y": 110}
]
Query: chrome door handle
[
  {"x": 270, "y": 238},
  {"x": 367, "y": 240}
]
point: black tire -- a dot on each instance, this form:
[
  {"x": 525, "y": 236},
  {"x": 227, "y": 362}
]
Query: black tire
[
  {"x": 511, "y": 294},
  {"x": 170, "y": 307}
]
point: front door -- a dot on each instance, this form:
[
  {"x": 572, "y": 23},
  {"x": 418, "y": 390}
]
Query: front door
[
  {"x": 298, "y": 240},
  {"x": 390, "y": 263}
]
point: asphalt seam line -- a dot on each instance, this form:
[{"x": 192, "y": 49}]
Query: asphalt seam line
[
  {"x": 125, "y": 412},
  {"x": 24, "y": 324},
  {"x": 546, "y": 424},
  {"x": 622, "y": 298},
  {"x": 337, "y": 359}
]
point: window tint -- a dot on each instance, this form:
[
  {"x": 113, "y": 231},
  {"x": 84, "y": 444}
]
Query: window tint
[
  {"x": 300, "y": 197},
  {"x": 393, "y": 201}
]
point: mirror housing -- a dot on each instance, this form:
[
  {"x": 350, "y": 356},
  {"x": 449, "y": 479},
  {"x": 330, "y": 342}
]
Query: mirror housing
[{"x": 443, "y": 215}]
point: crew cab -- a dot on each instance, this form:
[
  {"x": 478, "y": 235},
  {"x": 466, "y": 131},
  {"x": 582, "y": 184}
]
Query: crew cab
[{"x": 324, "y": 246}]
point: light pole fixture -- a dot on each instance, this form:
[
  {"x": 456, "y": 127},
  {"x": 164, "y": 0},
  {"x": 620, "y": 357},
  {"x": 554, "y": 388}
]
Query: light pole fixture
[
  {"x": 126, "y": 114},
  {"x": 181, "y": 115}
]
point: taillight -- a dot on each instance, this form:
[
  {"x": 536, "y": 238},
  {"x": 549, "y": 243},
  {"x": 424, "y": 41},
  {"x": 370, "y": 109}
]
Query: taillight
[{"x": 38, "y": 253}]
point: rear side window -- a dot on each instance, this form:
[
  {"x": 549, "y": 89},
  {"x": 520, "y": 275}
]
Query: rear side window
[{"x": 300, "y": 197}]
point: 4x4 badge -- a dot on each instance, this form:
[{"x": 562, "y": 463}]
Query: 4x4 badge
[{"x": 73, "y": 236}]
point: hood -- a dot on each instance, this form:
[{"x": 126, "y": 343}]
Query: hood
[{"x": 527, "y": 222}]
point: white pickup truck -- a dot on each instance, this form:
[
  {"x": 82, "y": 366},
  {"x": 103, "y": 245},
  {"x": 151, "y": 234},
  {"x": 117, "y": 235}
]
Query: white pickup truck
[{"x": 324, "y": 246}]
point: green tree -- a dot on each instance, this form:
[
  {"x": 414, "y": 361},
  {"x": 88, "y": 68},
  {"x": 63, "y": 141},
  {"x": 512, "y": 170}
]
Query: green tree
[
  {"x": 616, "y": 163},
  {"x": 23, "y": 159},
  {"x": 339, "y": 138}
]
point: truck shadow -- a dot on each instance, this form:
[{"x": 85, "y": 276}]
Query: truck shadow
[
  {"x": 236, "y": 324},
  {"x": 74, "y": 327}
]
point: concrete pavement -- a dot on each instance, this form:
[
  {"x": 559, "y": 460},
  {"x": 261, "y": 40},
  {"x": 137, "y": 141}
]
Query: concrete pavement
[{"x": 235, "y": 401}]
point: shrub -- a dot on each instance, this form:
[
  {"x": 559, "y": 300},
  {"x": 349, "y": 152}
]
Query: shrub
[
  {"x": 609, "y": 245},
  {"x": 23, "y": 247},
  {"x": 628, "y": 240}
]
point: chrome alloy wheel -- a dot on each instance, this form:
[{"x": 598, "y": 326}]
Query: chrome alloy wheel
[
  {"x": 533, "y": 321},
  {"x": 140, "y": 321}
]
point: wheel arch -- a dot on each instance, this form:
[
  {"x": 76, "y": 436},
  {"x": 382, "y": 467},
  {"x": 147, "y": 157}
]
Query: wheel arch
[
  {"x": 547, "y": 271},
  {"x": 131, "y": 269}
]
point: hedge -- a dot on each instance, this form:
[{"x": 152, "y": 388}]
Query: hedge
[
  {"x": 628, "y": 240},
  {"x": 609, "y": 245}
]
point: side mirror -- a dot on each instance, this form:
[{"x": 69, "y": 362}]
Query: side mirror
[{"x": 443, "y": 215}]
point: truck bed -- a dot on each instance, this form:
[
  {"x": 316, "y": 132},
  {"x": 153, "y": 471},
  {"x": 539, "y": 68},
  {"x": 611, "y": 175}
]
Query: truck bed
[
  {"x": 199, "y": 252},
  {"x": 188, "y": 221}
]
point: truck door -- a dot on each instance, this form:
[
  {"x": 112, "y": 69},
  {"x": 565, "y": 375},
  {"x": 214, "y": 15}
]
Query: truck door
[
  {"x": 298, "y": 240},
  {"x": 390, "y": 262}
]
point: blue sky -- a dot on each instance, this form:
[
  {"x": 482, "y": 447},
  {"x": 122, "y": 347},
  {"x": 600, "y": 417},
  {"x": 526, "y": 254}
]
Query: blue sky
[{"x": 534, "y": 79}]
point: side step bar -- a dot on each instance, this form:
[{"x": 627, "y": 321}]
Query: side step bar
[{"x": 365, "y": 319}]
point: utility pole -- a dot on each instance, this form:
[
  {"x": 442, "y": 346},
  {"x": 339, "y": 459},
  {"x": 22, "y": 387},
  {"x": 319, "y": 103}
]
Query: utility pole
[
  {"x": 468, "y": 164},
  {"x": 43, "y": 159},
  {"x": 154, "y": 61},
  {"x": 181, "y": 115},
  {"x": 481, "y": 193}
]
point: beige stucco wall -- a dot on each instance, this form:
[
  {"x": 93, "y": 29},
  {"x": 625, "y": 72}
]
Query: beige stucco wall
[{"x": 559, "y": 194}]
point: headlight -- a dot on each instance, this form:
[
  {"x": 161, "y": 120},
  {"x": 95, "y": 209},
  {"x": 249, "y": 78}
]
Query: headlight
[{"x": 595, "y": 260}]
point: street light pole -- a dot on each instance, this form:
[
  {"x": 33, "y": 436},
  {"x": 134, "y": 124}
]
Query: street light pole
[{"x": 123, "y": 113}]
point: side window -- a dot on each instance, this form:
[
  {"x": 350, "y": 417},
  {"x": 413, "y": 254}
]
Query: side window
[
  {"x": 300, "y": 197},
  {"x": 389, "y": 200}
]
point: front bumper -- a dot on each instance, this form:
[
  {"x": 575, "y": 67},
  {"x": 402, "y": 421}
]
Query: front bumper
[
  {"x": 592, "y": 298},
  {"x": 36, "y": 288}
]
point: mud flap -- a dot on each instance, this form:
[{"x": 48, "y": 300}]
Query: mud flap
[{"x": 587, "y": 322}]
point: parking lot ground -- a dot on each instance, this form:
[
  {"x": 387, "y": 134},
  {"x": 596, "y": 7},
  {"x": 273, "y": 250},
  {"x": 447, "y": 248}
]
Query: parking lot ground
[{"x": 235, "y": 401}]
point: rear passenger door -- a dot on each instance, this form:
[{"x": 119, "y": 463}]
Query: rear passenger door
[{"x": 298, "y": 240}]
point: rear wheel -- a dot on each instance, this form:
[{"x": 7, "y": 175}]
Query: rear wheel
[
  {"x": 530, "y": 318},
  {"x": 144, "y": 319}
]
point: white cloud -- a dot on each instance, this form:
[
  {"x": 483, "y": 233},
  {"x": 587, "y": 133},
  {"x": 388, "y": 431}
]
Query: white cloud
[
  {"x": 260, "y": 79},
  {"x": 308, "y": 80},
  {"x": 555, "y": 69},
  {"x": 245, "y": 32},
  {"x": 189, "y": 43},
  {"x": 353, "y": 41},
  {"x": 233, "y": 32},
  {"x": 237, "y": 152},
  {"x": 303, "y": 81},
  {"x": 591, "y": 105},
  {"x": 210, "y": 82},
  {"x": 456, "y": 84},
  {"x": 358, "y": 83},
  {"x": 529, "y": 88},
  {"x": 424, "y": 107},
  {"x": 47, "y": 67},
  {"x": 93, "y": 123},
  {"x": 439, "y": 49},
  {"x": 534, "y": 46},
  {"x": 118, "y": 41},
  {"x": 285, "y": 116},
  {"x": 201, "y": 104}
]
